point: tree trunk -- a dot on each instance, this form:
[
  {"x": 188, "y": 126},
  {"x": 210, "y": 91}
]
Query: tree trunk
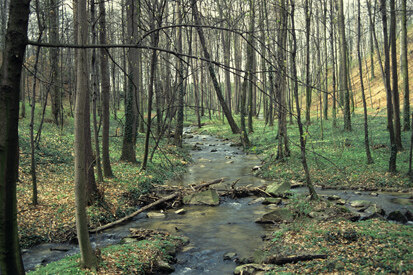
[
  {"x": 129, "y": 133},
  {"x": 54, "y": 61},
  {"x": 366, "y": 127},
  {"x": 308, "y": 89},
  {"x": 393, "y": 145},
  {"x": 105, "y": 89},
  {"x": 10, "y": 74},
  {"x": 180, "y": 115},
  {"x": 343, "y": 67},
  {"x": 228, "y": 115},
  {"x": 88, "y": 258},
  {"x": 405, "y": 68},
  {"x": 310, "y": 186},
  {"x": 395, "y": 79}
]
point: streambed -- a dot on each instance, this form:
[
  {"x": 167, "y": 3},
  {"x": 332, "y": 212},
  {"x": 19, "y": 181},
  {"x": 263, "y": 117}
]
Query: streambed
[{"x": 213, "y": 231}]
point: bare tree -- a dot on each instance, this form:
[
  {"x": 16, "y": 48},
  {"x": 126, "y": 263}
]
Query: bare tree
[{"x": 404, "y": 67}]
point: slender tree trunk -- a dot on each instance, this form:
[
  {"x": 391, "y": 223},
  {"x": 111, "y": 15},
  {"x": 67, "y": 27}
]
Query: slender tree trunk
[
  {"x": 54, "y": 61},
  {"x": 393, "y": 144},
  {"x": 366, "y": 127},
  {"x": 129, "y": 133},
  {"x": 404, "y": 67},
  {"x": 207, "y": 56},
  {"x": 155, "y": 41},
  {"x": 250, "y": 69},
  {"x": 105, "y": 88},
  {"x": 283, "y": 149},
  {"x": 395, "y": 79},
  {"x": 308, "y": 89},
  {"x": 181, "y": 92},
  {"x": 310, "y": 186},
  {"x": 88, "y": 258},
  {"x": 94, "y": 78},
  {"x": 333, "y": 65},
  {"x": 10, "y": 74},
  {"x": 344, "y": 67}
]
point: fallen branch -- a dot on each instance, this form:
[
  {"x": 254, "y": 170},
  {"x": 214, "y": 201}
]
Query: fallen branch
[
  {"x": 292, "y": 259},
  {"x": 146, "y": 207}
]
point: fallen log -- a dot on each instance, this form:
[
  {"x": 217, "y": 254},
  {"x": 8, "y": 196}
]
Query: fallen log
[
  {"x": 292, "y": 259},
  {"x": 146, "y": 207}
]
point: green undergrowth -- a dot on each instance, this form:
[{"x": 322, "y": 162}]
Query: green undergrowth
[
  {"x": 336, "y": 158},
  {"x": 139, "y": 257},
  {"x": 53, "y": 219}
]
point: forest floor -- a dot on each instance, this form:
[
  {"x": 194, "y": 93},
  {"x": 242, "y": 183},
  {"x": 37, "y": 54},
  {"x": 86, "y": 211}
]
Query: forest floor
[{"x": 53, "y": 219}]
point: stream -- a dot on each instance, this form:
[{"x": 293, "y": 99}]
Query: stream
[{"x": 213, "y": 231}]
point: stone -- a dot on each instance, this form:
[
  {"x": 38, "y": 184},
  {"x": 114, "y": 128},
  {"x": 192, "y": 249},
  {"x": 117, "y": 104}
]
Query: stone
[
  {"x": 236, "y": 144},
  {"x": 230, "y": 256},
  {"x": 357, "y": 193},
  {"x": 318, "y": 215},
  {"x": 272, "y": 206},
  {"x": 257, "y": 200},
  {"x": 180, "y": 211},
  {"x": 256, "y": 168},
  {"x": 276, "y": 189},
  {"x": 270, "y": 200},
  {"x": 360, "y": 204},
  {"x": 208, "y": 197},
  {"x": 187, "y": 136},
  {"x": 277, "y": 216},
  {"x": 374, "y": 194},
  {"x": 409, "y": 216},
  {"x": 341, "y": 202},
  {"x": 229, "y": 162},
  {"x": 214, "y": 150},
  {"x": 164, "y": 267},
  {"x": 249, "y": 269},
  {"x": 155, "y": 215},
  {"x": 374, "y": 209},
  {"x": 333, "y": 198},
  {"x": 397, "y": 216}
]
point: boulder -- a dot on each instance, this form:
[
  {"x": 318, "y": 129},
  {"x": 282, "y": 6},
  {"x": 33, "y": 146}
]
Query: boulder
[
  {"x": 277, "y": 189},
  {"x": 341, "y": 202},
  {"x": 208, "y": 197},
  {"x": 164, "y": 267},
  {"x": 374, "y": 209},
  {"x": 360, "y": 204},
  {"x": 397, "y": 216},
  {"x": 409, "y": 216},
  {"x": 333, "y": 198},
  {"x": 272, "y": 201},
  {"x": 257, "y": 200},
  {"x": 155, "y": 215},
  {"x": 230, "y": 256},
  {"x": 277, "y": 216},
  {"x": 249, "y": 269}
]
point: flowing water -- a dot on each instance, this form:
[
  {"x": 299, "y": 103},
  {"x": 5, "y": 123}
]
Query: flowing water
[{"x": 213, "y": 231}]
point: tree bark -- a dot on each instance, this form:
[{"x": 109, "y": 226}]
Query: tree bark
[
  {"x": 129, "y": 134},
  {"x": 344, "y": 67},
  {"x": 395, "y": 79},
  {"x": 105, "y": 89},
  {"x": 310, "y": 186},
  {"x": 54, "y": 62},
  {"x": 393, "y": 144},
  {"x": 308, "y": 90},
  {"x": 366, "y": 127},
  {"x": 88, "y": 258},
  {"x": 405, "y": 68},
  {"x": 10, "y": 74}
]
